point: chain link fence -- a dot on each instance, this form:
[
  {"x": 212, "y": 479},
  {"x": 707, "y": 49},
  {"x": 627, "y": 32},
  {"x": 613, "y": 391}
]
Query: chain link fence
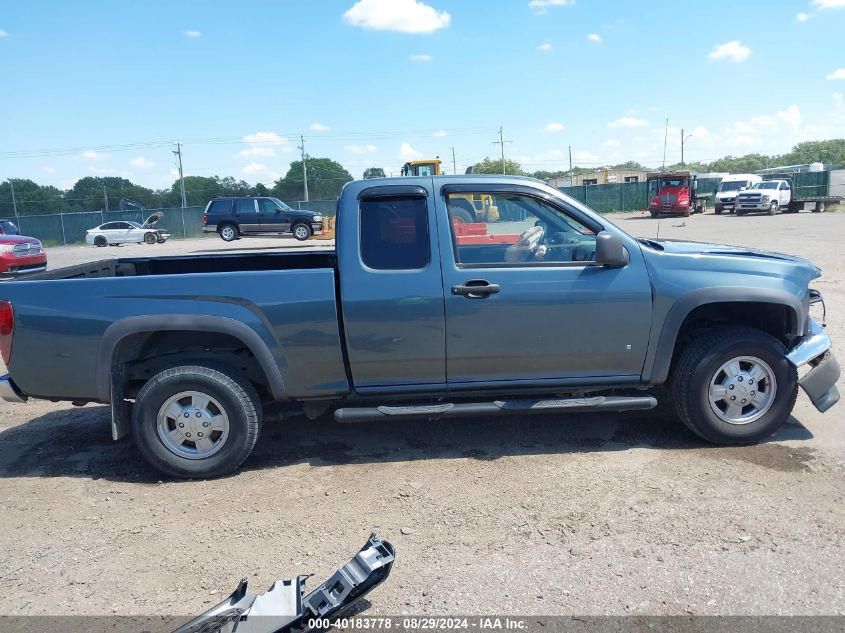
[{"x": 69, "y": 228}]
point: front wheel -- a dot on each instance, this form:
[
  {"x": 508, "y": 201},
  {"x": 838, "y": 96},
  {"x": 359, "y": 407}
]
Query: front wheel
[
  {"x": 718, "y": 210},
  {"x": 773, "y": 208},
  {"x": 734, "y": 385},
  {"x": 301, "y": 232},
  {"x": 150, "y": 238},
  {"x": 196, "y": 421}
]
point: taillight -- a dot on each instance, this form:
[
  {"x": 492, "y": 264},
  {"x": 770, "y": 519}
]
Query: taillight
[
  {"x": 204, "y": 219},
  {"x": 7, "y": 328}
]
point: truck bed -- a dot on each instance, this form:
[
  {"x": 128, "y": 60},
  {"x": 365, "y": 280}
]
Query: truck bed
[{"x": 182, "y": 265}]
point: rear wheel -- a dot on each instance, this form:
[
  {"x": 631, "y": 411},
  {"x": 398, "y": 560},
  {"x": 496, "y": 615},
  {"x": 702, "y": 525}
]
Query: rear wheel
[
  {"x": 150, "y": 238},
  {"x": 301, "y": 231},
  {"x": 228, "y": 232},
  {"x": 100, "y": 240},
  {"x": 196, "y": 420},
  {"x": 734, "y": 385},
  {"x": 461, "y": 216}
]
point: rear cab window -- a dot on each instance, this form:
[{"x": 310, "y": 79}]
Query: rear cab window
[{"x": 394, "y": 233}]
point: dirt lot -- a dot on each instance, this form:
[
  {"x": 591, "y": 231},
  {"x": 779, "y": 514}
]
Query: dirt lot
[{"x": 611, "y": 514}]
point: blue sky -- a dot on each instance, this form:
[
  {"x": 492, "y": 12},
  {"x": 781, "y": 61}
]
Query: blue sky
[{"x": 101, "y": 87}]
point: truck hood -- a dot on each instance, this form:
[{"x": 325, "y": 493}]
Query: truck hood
[{"x": 747, "y": 259}]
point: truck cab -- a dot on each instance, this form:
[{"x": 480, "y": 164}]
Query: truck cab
[
  {"x": 730, "y": 186},
  {"x": 673, "y": 193}
]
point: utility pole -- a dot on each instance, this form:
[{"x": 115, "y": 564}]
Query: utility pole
[
  {"x": 454, "y": 165},
  {"x": 106, "y": 198},
  {"x": 14, "y": 202},
  {"x": 570, "y": 166},
  {"x": 502, "y": 142},
  {"x": 304, "y": 167},
  {"x": 178, "y": 154},
  {"x": 684, "y": 139},
  {"x": 665, "y": 140}
]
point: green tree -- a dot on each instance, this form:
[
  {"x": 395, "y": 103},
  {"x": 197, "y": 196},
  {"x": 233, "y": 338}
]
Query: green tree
[
  {"x": 325, "y": 180},
  {"x": 30, "y": 198},
  {"x": 374, "y": 172},
  {"x": 630, "y": 165},
  {"x": 89, "y": 193},
  {"x": 827, "y": 152},
  {"x": 494, "y": 166}
]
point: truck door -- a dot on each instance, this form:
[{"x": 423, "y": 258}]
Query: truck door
[
  {"x": 390, "y": 286},
  {"x": 785, "y": 193},
  {"x": 247, "y": 215},
  {"x": 553, "y": 315},
  {"x": 272, "y": 217}
]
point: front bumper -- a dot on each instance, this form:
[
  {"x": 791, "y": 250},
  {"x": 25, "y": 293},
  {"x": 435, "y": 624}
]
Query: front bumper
[
  {"x": 9, "y": 391},
  {"x": 753, "y": 206},
  {"x": 12, "y": 264},
  {"x": 820, "y": 382},
  {"x": 317, "y": 227}
]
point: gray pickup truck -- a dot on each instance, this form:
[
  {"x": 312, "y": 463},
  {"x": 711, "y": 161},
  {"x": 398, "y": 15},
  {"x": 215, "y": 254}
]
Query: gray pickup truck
[{"x": 536, "y": 305}]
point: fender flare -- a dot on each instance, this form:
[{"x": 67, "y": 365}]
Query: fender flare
[
  {"x": 661, "y": 360},
  {"x": 119, "y": 330}
]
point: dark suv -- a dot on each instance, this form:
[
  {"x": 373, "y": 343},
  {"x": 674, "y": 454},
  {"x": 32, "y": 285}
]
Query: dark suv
[
  {"x": 7, "y": 227},
  {"x": 233, "y": 217}
]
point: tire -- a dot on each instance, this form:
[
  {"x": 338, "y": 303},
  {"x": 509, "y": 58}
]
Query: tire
[
  {"x": 101, "y": 241},
  {"x": 301, "y": 231},
  {"x": 228, "y": 232},
  {"x": 150, "y": 238},
  {"x": 773, "y": 208},
  {"x": 232, "y": 437},
  {"x": 718, "y": 210},
  {"x": 739, "y": 212},
  {"x": 654, "y": 214},
  {"x": 160, "y": 240},
  {"x": 818, "y": 207},
  {"x": 461, "y": 216},
  {"x": 699, "y": 372}
]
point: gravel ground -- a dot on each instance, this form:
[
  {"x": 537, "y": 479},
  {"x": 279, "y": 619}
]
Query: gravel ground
[{"x": 583, "y": 514}]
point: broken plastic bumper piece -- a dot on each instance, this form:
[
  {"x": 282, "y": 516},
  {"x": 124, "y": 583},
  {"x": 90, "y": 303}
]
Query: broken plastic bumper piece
[{"x": 285, "y": 607}]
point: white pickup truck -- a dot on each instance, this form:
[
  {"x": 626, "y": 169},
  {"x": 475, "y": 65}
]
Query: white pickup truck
[{"x": 769, "y": 196}]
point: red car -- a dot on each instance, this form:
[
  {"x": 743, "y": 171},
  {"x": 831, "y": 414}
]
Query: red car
[{"x": 20, "y": 254}]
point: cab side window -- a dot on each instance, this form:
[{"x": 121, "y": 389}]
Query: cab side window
[{"x": 267, "y": 207}]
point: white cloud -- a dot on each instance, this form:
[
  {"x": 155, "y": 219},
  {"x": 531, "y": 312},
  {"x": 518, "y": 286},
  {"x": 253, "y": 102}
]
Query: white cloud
[
  {"x": 628, "y": 121},
  {"x": 4, "y": 33},
  {"x": 101, "y": 170},
  {"x": 254, "y": 168},
  {"x": 554, "y": 126},
  {"x": 586, "y": 157},
  {"x": 802, "y": 17},
  {"x": 828, "y": 4},
  {"x": 733, "y": 51},
  {"x": 192, "y": 33},
  {"x": 258, "y": 150},
  {"x": 440, "y": 133},
  {"x": 542, "y": 6},
  {"x": 612, "y": 142},
  {"x": 361, "y": 149},
  {"x": 405, "y": 16},
  {"x": 267, "y": 138},
  {"x": 839, "y": 73},
  {"x": 421, "y": 58},
  {"x": 594, "y": 37},
  {"x": 48, "y": 170},
  {"x": 92, "y": 155},
  {"x": 140, "y": 161},
  {"x": 406, "y": 152},
  {"x": 837, "y": 97},
  {"x": 545, "y": 47},
  {"x": 319, "y": 127}
]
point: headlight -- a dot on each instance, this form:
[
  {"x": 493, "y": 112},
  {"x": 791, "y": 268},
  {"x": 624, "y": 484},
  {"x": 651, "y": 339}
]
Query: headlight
[
  {"x": 7, "y": 248},
  {"x": 765, "y": 198},
  {"x": 318, "y": 218}
]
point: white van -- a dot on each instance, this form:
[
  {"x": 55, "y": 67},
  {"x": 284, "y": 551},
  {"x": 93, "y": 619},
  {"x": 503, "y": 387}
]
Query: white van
[{"x": 730, "y": 186}]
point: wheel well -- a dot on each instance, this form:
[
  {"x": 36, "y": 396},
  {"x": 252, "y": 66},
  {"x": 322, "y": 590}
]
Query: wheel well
[
  {"x": 775, "y": 319},
  {"x": 142, "y": 355}
]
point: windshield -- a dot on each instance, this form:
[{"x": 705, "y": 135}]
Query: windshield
[
  {"x": 733, "y": 185},
  {"x": 766, "y": 185},
  {"x": 281, "y": 204},
  {"x": 674, "y": 182},
  {"x": 135, "y": 225}
]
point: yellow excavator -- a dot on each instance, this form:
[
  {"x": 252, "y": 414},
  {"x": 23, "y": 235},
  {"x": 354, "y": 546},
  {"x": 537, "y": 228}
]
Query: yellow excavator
[{"x": 464, "y": 208}]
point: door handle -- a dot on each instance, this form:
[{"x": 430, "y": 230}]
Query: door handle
[{"x": 476, "y": 289}]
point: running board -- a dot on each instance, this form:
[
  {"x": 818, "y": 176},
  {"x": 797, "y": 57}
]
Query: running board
[{"x": 520, "y": 406}]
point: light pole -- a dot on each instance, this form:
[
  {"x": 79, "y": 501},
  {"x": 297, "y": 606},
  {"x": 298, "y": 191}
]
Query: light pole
[{"x": 684, "y": 139}]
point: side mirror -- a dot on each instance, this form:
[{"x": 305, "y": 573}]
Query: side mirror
[{"x": 610, "y": 251}]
